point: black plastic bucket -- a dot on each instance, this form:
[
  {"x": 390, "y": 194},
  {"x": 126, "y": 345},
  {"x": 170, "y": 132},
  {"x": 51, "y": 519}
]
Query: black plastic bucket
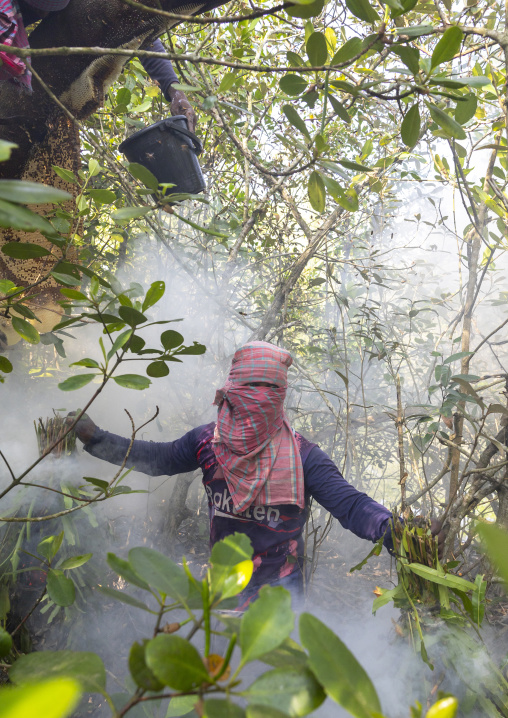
[{"x": 170, "y": 151}]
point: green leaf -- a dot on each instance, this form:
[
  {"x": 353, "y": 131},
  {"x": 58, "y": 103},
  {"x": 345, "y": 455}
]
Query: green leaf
[
  {"x": 123, "y": 96},
  {"x": 466, "y": 110},
  {"x": 410, "y": 56},
  {"x": 20, "y": 308},
  {"x": 5, "y": 645},
  {"x": 415, "y": 30},
  {"x": 88, "y": 363},
  {"x": 348, "y": 199},
  {"x": 102, "y": 196},
  {"x": 132, "y": 381},
  {"x": 294, "y": 691},
  {"x": 175, "y": 662},
  {"x": 445, "y": 708},
  {"x": 349, "y": 49},
  {"x": 100, "y": 483},
  {"x": 73, "y": 294},
  {"x": 5, "y": 603},
  {"x": 236, "y": 580},
  {"x": 227, "y": 82},
  {"x": 86, "y": 668},
  {"x": 55, "y": 698},
  {"x": 495, "y": 541},
  {"x": 295, "y": 119},
  {"x": 144, "y": 175},
  {"x": 26, "y": 330},
  {"x": 192, "y": 350},
  {"x": 5, "y": 149},
  {"x": 410, "y": 128},
  {"x": 474, "y": 81},
  {"x": 231, "y": 550},
  {"x": 24, "y": 250},
  {"x": 94, "y": 167},
  {"x": 76, "y": 382},
  {"x": 349, "y": 165},
  {"x": 454, "y": 357},
  {"x": 125, "y": 570},
  {"x": 61, "y": 589},
  {"x": 222, "y": 708},
  {"x": 64, "y": 174},
  {"x": 306, "y": 11},
  {"x": 6, "y": 286},
  {"x": 125, "y": 214},
  {"x": 171, "y": 339},
  {"x": 160, "y": 572},
  {"x": 363, "y": 10},
  {"x": 180, "y": 706},
  {"x": 293, "y": 84},
  {"x": 447, "y": 123},
  {"x": 153, "y": 295},
  {"x": 124, "y": 598},
  {"x": 50, "y": 546},
  {"x": 142, "y": 675},
  {"x": 339, "y": 109},
  {"x": 131, "y": 316},
  {"x": 16, "y": 217},
  {"x": 5, "y": 365},
  {"x": 157, "y": 369},
  {"x": 75, "y": 561},
  {"x": 267, "y": 622},
  {"x": 317, "y": 192},
  {"x": 374, "y": 552},
  {"x": 430, "y": 574},
  {"x": 386, "y": 597},
  {"x": 447, "y": 47},
  {"x": 288, "y": 654},
  {"x": 317, "y": 49},
  {"x": 66, "y": 278},
  {"x": 119, "y": 342},
  {"x": 23, "y": 192},
  {"x": 407, "y": 5},
  {"x": 294, "y": 59},
  {"x": 336, "y": 668}
]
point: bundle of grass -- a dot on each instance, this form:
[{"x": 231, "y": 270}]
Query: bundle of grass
[
  {"x": 414, "y": 543},
  {"x": 50, "y": 430}
]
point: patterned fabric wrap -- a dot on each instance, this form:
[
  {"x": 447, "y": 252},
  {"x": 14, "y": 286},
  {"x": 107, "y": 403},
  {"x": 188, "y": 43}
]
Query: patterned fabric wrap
[
  {"x": 253, "y": 442},
  {"x": 12, "y": 32}
]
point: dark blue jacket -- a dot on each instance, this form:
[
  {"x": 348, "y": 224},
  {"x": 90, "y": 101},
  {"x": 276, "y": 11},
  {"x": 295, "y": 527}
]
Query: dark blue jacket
[
  {"x": 159, "y": 69},
  {"x": 276, "y": 532}
]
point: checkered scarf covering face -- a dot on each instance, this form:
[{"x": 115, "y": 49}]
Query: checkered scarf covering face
[{"x": 253, "y": 442}]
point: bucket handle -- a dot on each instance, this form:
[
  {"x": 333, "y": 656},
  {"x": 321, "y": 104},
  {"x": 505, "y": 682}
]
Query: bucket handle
[{"x": 198, "y": 147}]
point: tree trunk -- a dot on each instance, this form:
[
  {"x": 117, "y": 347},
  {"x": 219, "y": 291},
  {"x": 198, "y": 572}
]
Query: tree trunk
[
  {"x": 61, "y": 148},
  {"x": 178, "y": 511}
]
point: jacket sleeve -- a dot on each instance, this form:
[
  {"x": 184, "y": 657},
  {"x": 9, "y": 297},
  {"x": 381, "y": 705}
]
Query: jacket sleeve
[
  {"x": 355, "y": 510},
  {"x": 159, "y": 69},
  {"x": 149, "y": 457}
]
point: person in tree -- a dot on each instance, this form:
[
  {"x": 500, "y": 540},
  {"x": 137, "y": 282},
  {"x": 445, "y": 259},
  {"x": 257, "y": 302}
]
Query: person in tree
[
  {"x": 259, "y": 474},
  {"x": 16, "y": 15}
]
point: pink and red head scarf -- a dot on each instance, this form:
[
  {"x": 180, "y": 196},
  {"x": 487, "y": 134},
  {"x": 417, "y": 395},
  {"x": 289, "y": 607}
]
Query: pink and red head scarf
[
  {"x": 12, "y": 32},
  {"x": 253, "y": 442}
]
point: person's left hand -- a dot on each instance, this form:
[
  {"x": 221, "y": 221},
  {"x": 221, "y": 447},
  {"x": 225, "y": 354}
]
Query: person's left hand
[{"x": 180, "y": 105}]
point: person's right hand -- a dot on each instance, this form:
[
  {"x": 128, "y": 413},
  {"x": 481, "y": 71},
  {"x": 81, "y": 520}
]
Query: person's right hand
[{"x": 85, "y": 428}]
